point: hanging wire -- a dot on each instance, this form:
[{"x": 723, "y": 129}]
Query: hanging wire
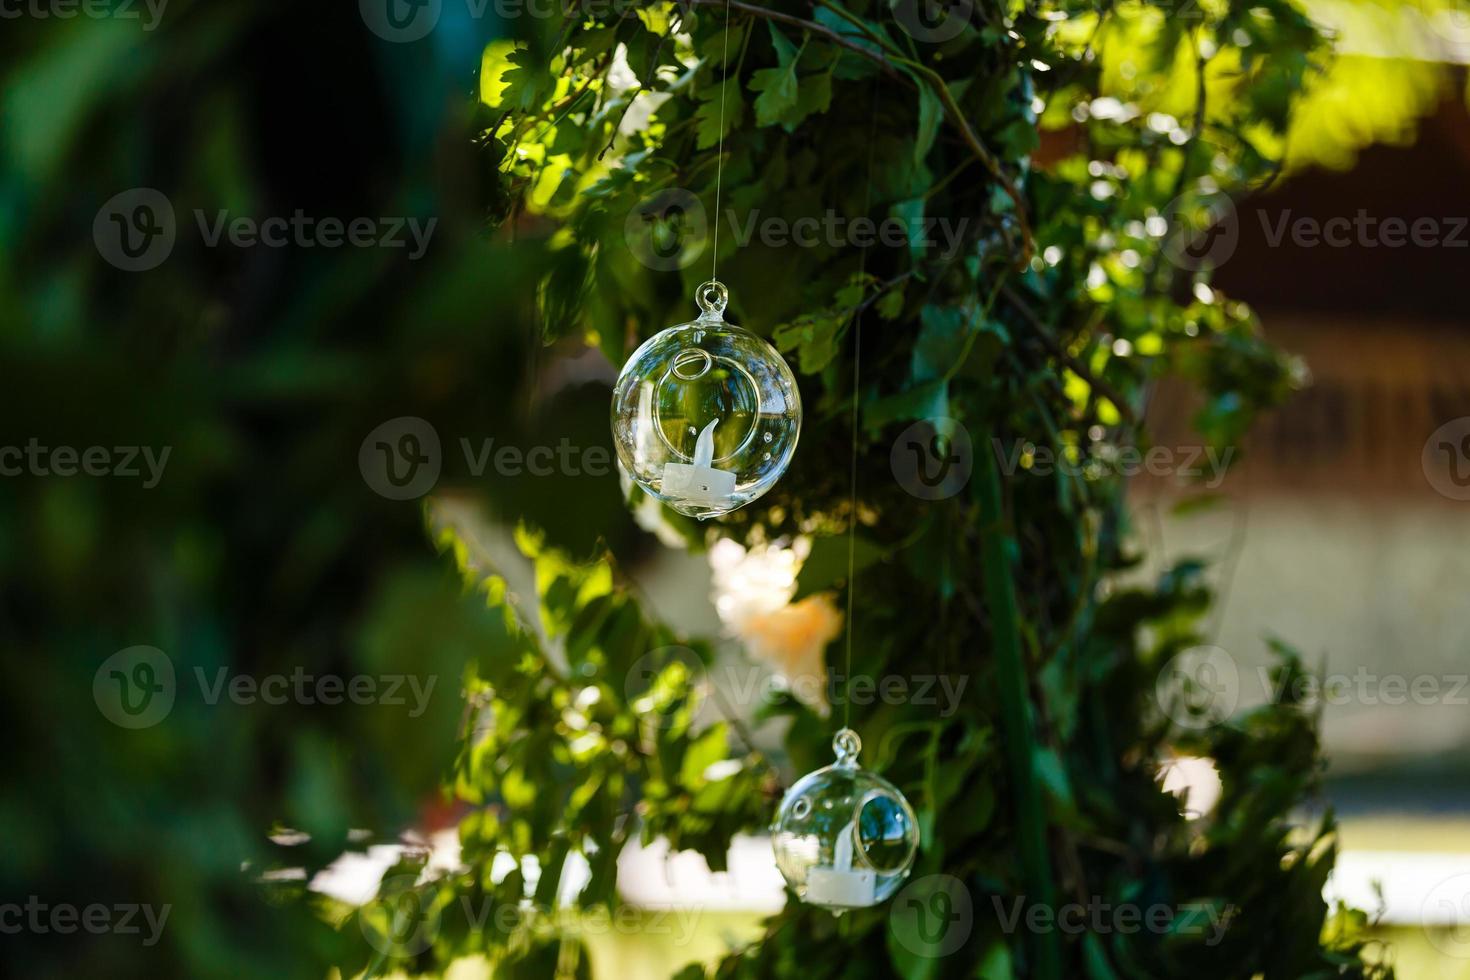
[
  {"x": 857, "y": 361},
  {"x": 720, "y": 152}
]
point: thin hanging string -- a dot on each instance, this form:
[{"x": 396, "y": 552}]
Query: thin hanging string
[
  {"x": 857, "y": 362},
  {"x": 714, "y": 260}
]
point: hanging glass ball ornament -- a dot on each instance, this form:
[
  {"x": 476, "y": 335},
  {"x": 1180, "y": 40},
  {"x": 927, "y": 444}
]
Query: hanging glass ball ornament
[
  {"x": 705, "y": 415},
  {"x": 844, "y": 837}
]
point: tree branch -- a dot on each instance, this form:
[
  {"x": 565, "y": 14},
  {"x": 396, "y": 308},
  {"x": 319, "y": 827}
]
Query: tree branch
[{"x": 811, "y": 27}]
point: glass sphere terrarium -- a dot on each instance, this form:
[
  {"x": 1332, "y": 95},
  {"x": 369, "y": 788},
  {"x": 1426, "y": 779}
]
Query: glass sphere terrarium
[
  {"x": 845, "y": 838},
  {"x": 705, "y": 415}
]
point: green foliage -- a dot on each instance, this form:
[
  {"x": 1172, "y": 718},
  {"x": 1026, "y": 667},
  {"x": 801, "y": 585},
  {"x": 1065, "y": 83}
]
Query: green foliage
[
  {"x": 564, "y": 723},
  {"x": 1044, "y": 320}
]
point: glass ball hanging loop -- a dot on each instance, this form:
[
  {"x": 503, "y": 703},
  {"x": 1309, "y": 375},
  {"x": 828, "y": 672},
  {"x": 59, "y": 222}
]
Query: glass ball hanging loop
[
  {"x": 706, "y": 415},
  {"x": 844, "y": 837}
]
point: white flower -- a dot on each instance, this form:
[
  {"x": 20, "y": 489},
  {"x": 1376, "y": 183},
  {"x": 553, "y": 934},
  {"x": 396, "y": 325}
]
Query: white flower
[{"x": 752, "y": 594}]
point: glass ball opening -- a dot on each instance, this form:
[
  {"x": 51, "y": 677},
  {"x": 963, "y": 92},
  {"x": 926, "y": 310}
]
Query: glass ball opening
[
  {"x": 706, "y": 415},
  {"x": 844, "y": 837}
]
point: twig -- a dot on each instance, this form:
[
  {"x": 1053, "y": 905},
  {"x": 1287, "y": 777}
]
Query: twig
[
  {"x": 811, "y": 27},
  {"x": 1043, "y": 334}
]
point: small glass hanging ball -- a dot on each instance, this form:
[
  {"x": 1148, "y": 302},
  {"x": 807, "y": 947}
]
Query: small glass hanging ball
[
  {"x": 705, "y": 415},
  {"x": 844, "y": 837}
]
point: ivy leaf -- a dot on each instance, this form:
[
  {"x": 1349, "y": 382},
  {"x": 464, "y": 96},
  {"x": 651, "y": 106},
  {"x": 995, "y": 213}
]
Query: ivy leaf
[
  {"x": 941, "y": 341},
  {"x": 718, "y": 50},
  {"x": 814, "y": 95},
  {"x": 704, "y": 751},
  {"x": 931, "y": 111},
  {"x": 911, "y": 214},
  {"x": 593, "y": 43},
  {"x": 849, "y": 65},
  {"x": 926, "y": 401},
  {"x": 826, "y": 565},
  {"x": 813, "y": 336},
  {"x": 1052, "y": 774},
  {"x": 778, "y": 94},
  {"x": 643, "y": 56},
  {"x": 562, "y": 292},
  {"x": 778, "y": 87},
  {"x": 853, "y": 291},
  {"x": 657, "y": 18},
  {"x": 890, "y": 306},
  {"x": 524, "y": 82},
  {"x": 708, "y": 128},
  {"x": 786, "y": 52}
]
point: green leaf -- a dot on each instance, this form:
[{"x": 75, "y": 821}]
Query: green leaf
[
  {"x": 525, "y": 83},
  {"x": 849, "y": 65},
  {"x": 786, "y": 52},
  {"x": 827, "y": 563},
  {"x": 814, "y": 337},
  {"x": 778, "y": 90},
  {"x": 911, "y": 213},
  {"x": 941, "y": 341},
  {"x": 814, "y": 95},
  {"x": 1052, "y": 775},
  {"x": 710, "y": 747},
  {"x": 925, "y": 401},
  {"x": 656, "y": 17},
  {"x": 563, "y": 291},
  {"x": 890, "y": 306},
  {"x": 643, "y": 56},
  {"x": 708, "y": 126},
  {"x": 718, "y": 50},
  {"x": 931, "y": 111}
]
